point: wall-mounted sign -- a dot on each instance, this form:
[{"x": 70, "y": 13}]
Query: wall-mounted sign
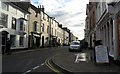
[{"x": 101, "y": 54}]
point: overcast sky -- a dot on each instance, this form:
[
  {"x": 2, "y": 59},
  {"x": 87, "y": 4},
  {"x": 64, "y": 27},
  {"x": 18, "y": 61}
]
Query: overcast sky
[{"x": 69, "y": 13}]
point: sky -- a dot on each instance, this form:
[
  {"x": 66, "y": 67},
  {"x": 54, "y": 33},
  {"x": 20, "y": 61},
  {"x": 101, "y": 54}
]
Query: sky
[{"x": 69, "y": 13}]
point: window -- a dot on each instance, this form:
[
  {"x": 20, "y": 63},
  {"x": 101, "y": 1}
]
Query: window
[
  {"x": 47, "y": 18},
  {"x": 43, "y": 28},
  {"x": 21, "y": 25},
  {"x": 13, "y": 23},
  {"x": 35, "y": 26},
  {"x": 44, "y": 17},
  {"x": 55, "y": 32},
  {"x": 3, "y": 19},
  {"x": 52, "y": 30},
  {"x": 36, "y": 14},
  {"x": 12, "y": 38},
  {"x": 21, "y": 42},
  {"x": 52, "y": 21},
  {"x": 48, "y": 29},
  {"x": 24, "y": 27},
  {"x": 5, "y": 6}
]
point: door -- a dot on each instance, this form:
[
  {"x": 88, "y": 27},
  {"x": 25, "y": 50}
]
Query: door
[
  {"x": 42, "y": 41},
  {"x": 37, "y": 41},
  {"x": 4, "y": 40}
]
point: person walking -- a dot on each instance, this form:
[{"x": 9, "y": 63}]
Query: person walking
[{"x": 8, "y": 47}]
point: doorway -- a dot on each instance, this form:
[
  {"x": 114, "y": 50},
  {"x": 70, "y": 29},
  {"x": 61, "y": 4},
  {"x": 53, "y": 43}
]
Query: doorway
[
  {"x": 4, "y": 41},
  {"x": 37, "y": 41},
  {"x": 42, "y": 41}
]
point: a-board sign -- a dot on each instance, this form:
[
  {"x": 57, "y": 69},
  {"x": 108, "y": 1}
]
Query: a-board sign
[{"x": 101, "y": 54}]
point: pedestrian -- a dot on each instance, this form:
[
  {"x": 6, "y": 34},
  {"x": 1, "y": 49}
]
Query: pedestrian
[{"x": 8, "y": 46}]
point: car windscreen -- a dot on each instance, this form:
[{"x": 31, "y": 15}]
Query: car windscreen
[{"x": 75, "y": 43}]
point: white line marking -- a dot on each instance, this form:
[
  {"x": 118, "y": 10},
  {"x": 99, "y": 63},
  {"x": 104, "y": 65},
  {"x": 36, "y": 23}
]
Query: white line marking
[
  {"x": 80, "y": 57},
  {"x": 42, "y": 64},
  {"x": 36, "y": 67},
  {"x": 27, "y": 72}
]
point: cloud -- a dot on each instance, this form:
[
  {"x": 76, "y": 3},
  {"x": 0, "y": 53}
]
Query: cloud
[{"x": 71, "y": 13}]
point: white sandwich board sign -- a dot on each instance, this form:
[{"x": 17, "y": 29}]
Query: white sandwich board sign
[{"x": 101, "y": 54}]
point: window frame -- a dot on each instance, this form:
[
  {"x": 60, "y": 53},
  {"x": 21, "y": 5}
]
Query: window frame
[
  {"x": 21, "y": 43},
  {"x": 13, "y": 40},
  {"x": 14, "y": 19}
]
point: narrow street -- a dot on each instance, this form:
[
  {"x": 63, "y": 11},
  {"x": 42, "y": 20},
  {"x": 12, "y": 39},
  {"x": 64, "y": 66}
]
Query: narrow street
[
  {"x": 33, "y": 61},
  {"x": 60, "y": 36},
  {"x": 39, "y": 61}
]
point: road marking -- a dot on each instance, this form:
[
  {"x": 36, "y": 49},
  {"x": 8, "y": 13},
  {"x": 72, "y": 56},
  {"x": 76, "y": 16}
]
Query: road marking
[
  {"x": 27, "y": 72},
  {"x": 80, "y": 57},
  {"x": 36, "y": 67},
  {"x": 42, "y": 64},
  {"x": 50, "y": 66}
]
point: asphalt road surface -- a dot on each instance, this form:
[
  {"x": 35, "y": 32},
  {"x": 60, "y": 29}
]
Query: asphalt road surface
[{"x": 33, "y": 61}]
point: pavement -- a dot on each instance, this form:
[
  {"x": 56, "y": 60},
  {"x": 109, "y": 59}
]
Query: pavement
[{"x": 82, "y": 62}]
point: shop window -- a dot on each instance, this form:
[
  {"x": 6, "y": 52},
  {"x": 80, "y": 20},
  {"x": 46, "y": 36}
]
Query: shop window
[
  {"x": 21, "y": 41},
  {"x": 13, "y": 39}
]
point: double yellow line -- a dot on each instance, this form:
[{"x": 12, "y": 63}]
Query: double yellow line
[{"x": 47, "y": 62}]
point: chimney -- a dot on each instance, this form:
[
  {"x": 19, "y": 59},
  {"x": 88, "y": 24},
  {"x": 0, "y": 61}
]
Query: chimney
[{"x": 42, "y": 8}]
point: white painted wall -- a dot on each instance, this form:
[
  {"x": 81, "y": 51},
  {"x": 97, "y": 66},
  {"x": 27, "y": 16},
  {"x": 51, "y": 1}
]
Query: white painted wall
[{"x": 16, "y": 13}]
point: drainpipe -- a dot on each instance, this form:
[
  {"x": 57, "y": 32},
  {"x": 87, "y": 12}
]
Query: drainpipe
[
  {"x": 40, "y": 25},
  {"x": 50, "y": 32},
  {"x": 115, "y": 38}
]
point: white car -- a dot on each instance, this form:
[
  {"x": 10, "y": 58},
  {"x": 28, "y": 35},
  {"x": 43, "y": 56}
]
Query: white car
[{"x": 74, "y": 46}]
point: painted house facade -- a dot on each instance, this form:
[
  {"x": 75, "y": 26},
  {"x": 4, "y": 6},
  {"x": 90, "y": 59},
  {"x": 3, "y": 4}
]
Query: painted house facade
[
  {"x": 45, "y": 28},
  {"x": 34, "y": 27},
  {"x": 14, "y": 21},
  {"x": 107, "y": 27},
  {"x": 114, "y": 11},
  {"x": 60, "y": 34},
  {"x": 65, "y": 36}
]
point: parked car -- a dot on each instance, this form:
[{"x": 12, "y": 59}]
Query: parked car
[{"x": 74, "y": 46}]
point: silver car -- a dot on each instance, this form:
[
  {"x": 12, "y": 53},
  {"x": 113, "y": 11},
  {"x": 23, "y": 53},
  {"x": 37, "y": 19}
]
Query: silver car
[{"x": 74, "y": 46}]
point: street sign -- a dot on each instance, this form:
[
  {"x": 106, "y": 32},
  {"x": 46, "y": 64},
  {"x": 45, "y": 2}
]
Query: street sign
[{"x": 101, "y": 54}]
